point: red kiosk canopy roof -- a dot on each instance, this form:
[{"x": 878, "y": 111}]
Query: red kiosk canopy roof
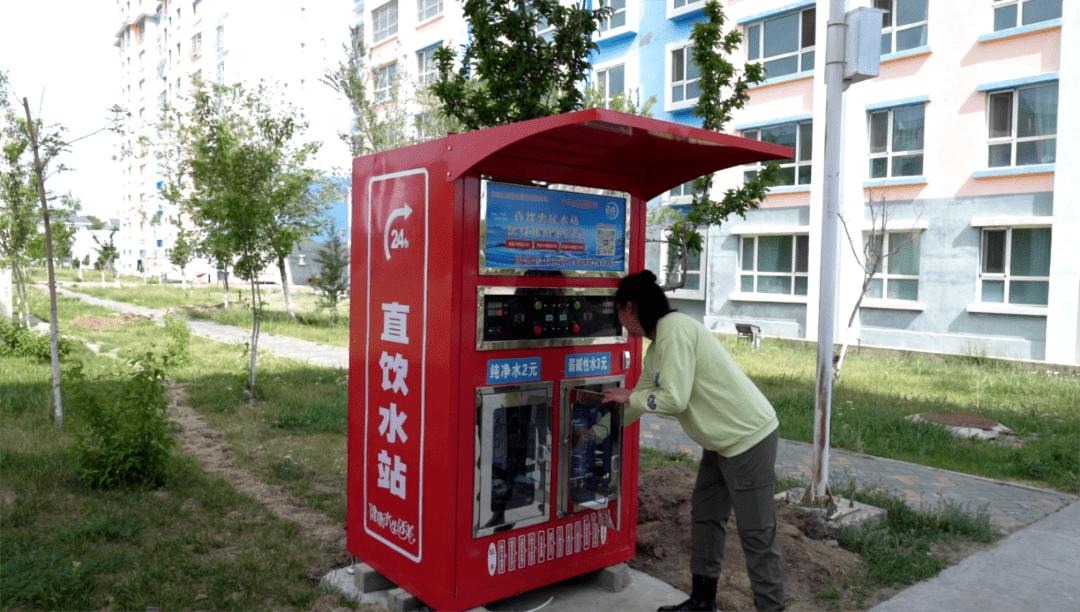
[{"x": 571, "y": 147}]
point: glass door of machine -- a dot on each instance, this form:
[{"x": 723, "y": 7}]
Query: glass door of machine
[
  {"x": 590, "y": 451},
  {"x": 513, "y": 457}
]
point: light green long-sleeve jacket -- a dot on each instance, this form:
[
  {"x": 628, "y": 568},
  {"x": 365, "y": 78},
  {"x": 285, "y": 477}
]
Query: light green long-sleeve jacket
[{"x": 687, "y": 373}]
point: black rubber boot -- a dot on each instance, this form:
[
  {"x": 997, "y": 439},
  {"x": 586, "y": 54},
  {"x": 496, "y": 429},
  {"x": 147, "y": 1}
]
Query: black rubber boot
[{"x": 702, "y": 596}]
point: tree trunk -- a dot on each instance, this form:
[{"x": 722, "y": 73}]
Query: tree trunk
[
  {"x": 53, "y": 325},
  {"x": 22, "y": 304},
  {"x": 256, "y": 315},
  {"x": 285, "y": 288},
  {"x": 225, "y": 284},
  {"x": 7, "y": 296},
  {"x": 183, "y": 278}
]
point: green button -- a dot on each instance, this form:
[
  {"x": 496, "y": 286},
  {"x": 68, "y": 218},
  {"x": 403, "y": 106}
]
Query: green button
[
  {"x": 538, "y": 304},
  {"x": 577, "y": 305}
]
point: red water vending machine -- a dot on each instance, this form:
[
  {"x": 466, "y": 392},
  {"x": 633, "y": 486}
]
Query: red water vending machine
[{"x": 482, "y": 461}]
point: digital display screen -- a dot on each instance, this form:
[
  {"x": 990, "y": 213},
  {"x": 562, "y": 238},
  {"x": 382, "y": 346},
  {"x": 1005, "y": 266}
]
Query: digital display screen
[{"x": 534, "y": 228}]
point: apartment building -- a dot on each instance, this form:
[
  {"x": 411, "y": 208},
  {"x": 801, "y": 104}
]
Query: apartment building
[
  {"x": 967, "y": 136},
  {"x": 163, "y": 45}
]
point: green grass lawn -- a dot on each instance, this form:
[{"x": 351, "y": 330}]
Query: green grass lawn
[
  {"x": 215, "y": 548},
  {"x": 191, "y": 543},
  {"x": 205, "y": 302}
]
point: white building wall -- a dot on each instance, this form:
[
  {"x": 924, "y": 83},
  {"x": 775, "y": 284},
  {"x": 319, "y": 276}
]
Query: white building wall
[
  {"x": 291, "y": 42},
  {"x": 1063, "y": 320},
  {"x": 956, "y": 194}
]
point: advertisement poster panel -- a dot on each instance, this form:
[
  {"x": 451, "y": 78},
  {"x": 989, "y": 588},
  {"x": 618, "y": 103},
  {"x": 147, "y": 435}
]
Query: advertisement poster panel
[
  {"x": 395, "y": 373},
  {"x": 550, "y": 229}
]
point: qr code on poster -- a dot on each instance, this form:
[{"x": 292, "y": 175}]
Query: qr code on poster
[{"x": 605, "y": 240}]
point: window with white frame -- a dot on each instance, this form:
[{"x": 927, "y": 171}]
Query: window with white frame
[
  {"x": 426, "y": 69},
  {"x": 1015, "y": 13},
  {"x": 775, "y": 264},
  {"x": 425, "y": 125},
  {"x": 904, "y": 25},
  {"x": 1015, "y": 265},
  {"x": 683, "y": 77},
  {"x": 1023, "y": 126},
  {"x": 611, "y": 81},
  {"x": 896, "y": 141},
  {"x": 384, "y": 22},
  {"x": 428, "y": 9},
  {"x": 694, "y": 288},
  {"x": 897, "y": 278},
  {"x": 384, "y": 82},
  {"x": 196, "y": 45},
  {"x": 680, "y": 7},
  {"x": 682, "y": 194},
  {"x": 798, "y": 136},
  {"x": 784, "y": 44},
  {"x": 617, "y": 19}
]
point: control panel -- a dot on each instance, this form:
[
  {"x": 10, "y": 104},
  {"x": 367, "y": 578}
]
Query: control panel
[{"x": 528, "y": 316}]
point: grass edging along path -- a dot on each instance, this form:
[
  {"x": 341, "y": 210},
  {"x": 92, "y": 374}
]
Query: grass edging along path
[{"x": 206, "y": 301}]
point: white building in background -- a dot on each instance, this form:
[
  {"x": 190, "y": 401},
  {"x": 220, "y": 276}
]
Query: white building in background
[
  {"x": 971, "y": 131},
  {"x": 164, "y": 44}
]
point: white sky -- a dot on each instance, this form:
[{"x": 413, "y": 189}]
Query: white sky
[{"x": 59, "y": 55}]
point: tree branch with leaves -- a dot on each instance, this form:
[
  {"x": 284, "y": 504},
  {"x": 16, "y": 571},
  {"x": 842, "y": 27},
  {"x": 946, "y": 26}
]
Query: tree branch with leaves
[
  {"x": 724, "y": 88},
  {"x": 520, "y": 74}
]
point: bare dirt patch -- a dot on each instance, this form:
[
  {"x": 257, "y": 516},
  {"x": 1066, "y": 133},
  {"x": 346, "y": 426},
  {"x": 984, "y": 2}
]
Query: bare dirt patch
[
  {"x": 106, "y": 322},
  {"x": 812, "y": 561}
]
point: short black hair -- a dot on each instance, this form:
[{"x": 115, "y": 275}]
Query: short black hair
[{"x": 642, "y": 290}]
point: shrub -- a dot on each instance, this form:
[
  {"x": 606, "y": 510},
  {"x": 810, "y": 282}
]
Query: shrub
[
  {"x": 17, "y": 341},
  {"x": 178, "y": 353},
  {"x": 126, "y": 439}
]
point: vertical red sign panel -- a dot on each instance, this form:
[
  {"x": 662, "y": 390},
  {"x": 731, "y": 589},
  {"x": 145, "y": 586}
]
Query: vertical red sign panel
[{"x": 394, "y": 371}]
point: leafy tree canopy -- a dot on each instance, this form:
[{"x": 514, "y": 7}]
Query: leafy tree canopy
[{"x": 511, "y": 72}]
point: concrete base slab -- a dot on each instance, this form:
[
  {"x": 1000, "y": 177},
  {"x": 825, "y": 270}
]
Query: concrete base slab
[
  {"x": 847, "y": 512},
  {"x": 592, "y": 591},
  {"x": 369, "y": 581},
  {"x": 344, "y": 583}
]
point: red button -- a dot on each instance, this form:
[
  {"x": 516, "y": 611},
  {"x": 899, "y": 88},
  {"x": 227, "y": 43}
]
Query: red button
[
  {"x": 576, "y": 328},
  {"x": 538, "y": 330}
]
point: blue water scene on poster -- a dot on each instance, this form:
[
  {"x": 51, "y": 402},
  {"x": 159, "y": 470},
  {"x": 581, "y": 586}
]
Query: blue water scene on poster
[{"x": 549, "y": 229}]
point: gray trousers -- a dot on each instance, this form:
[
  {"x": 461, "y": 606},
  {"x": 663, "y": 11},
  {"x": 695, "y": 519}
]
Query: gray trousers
[{"x": 743, "y": 482}]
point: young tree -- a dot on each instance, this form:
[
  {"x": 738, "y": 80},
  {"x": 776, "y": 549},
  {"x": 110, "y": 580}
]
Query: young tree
[
  {"x": 519, "y": 74},
  {"x": 302, "y": 218},
  {"x": 332, "y": 281},
  {"x": 46, "y": 143},
  {"x": 19, "y": 213},
  {"x": 247, "y": 170},
  {"x": 183, "y": 251},
  {"x": 63, "y": 233},
  {"x": 107, "y": 253},
  {"x": 383, "y": 120},
  {"x": 870, "y": 254},
  {"x": 95, "y": 223},
  {"x": 724, "y": 88}
]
